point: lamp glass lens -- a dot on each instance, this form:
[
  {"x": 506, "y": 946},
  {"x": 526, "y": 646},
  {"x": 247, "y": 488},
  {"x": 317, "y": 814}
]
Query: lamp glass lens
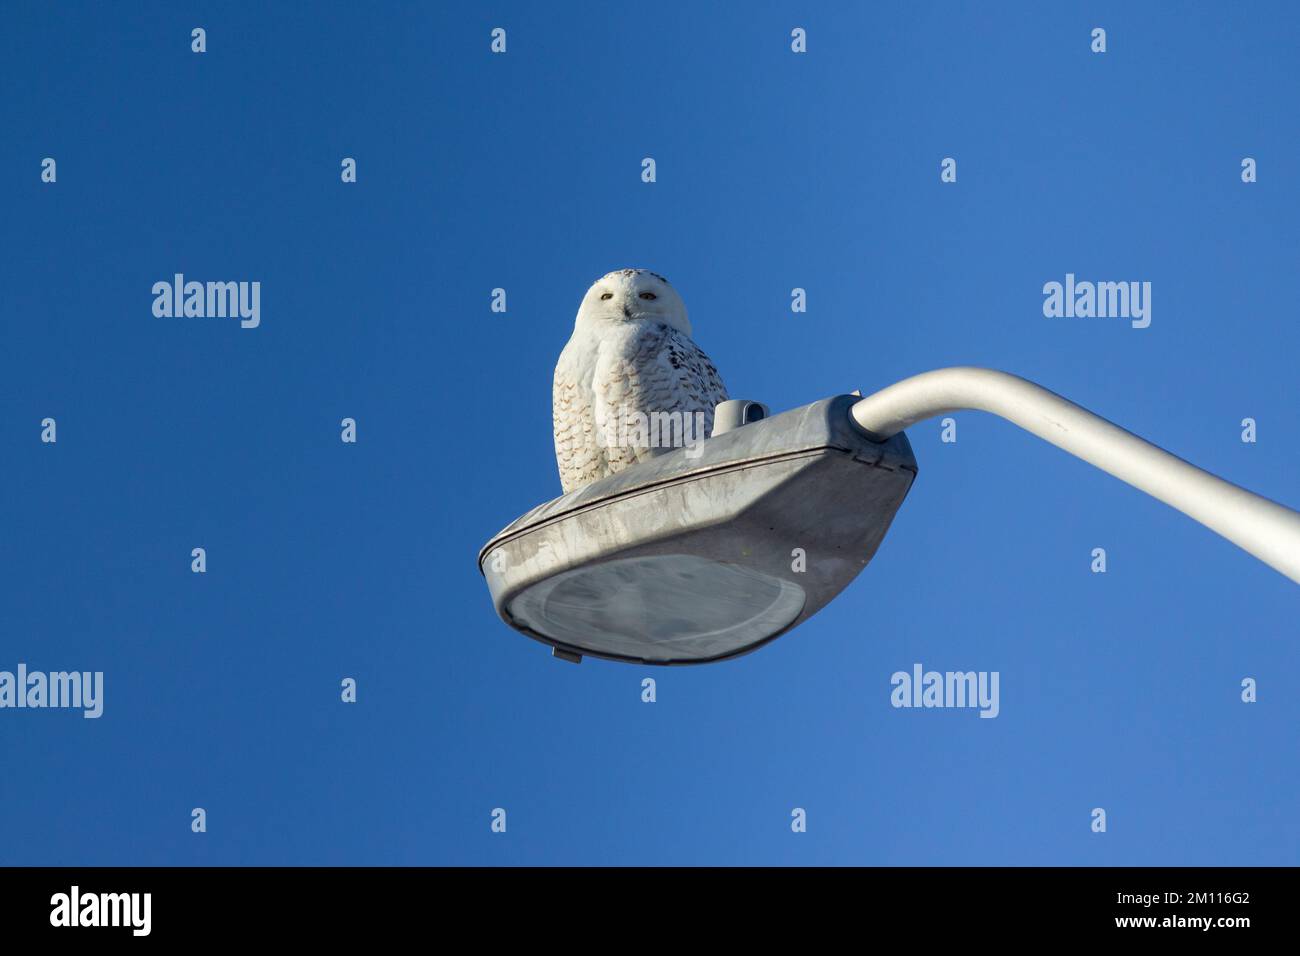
[{"x": 674, "y": 607}]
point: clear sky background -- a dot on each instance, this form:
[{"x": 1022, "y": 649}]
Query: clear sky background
[{"x": 775, "y": 170}]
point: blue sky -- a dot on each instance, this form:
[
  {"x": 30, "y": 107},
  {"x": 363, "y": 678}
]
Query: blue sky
[{"x": 522, "y": 171}]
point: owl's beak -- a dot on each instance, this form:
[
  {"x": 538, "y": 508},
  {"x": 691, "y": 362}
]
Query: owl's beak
[{"x": 627, "y": 313}]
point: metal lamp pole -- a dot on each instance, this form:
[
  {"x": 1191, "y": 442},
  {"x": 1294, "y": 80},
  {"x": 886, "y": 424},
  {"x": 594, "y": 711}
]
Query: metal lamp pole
[{"x": 1264, "y": 528}]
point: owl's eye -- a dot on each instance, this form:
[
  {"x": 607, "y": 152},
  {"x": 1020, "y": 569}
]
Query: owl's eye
[
  {"x": 647, "y": 295},
  {"x": 607, "y": 295}
]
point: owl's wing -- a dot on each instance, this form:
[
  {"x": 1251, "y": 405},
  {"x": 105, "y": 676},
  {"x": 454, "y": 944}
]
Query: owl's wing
[
  {"x": 657, "y": 371},
  {"x": 579, "y": 456},
  {"x": 697, "y": 376}
]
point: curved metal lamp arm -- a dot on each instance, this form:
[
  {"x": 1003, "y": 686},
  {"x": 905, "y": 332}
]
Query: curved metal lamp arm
[{"x": 1264, "y": 528}]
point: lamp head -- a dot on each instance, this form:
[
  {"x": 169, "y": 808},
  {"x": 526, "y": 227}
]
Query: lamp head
[{"x": 690, "y": 558}]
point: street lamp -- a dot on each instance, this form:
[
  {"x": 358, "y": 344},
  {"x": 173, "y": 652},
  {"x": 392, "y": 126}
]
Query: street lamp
[{"x": 708, "y": 552}]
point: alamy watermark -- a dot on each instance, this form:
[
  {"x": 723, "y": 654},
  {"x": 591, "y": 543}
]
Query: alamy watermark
[
  {"x": 922, "y": 688},
  {"x": 209, "y": 300},
  {"x": 637, "y": 429},
  {"x": 1102, "y": 300},
  {"x": 75, "y": 908},
  {"x": 72, "y": 689}
]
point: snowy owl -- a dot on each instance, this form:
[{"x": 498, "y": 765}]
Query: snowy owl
[{"x": 630, "y": 384}]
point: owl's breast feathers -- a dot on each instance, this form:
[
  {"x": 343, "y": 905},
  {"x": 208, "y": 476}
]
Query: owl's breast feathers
[{"x": 606, "y": 383}]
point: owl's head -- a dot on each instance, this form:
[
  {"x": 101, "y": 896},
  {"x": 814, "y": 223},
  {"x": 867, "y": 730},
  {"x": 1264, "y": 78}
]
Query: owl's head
[{"x": 628, "y": 295}]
